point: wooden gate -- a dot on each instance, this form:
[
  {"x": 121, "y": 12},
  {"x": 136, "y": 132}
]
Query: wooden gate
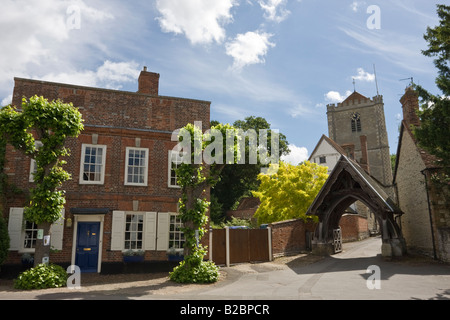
[
  {"x": 231, "y": 246},
  {"x": 218, "y": 246}
]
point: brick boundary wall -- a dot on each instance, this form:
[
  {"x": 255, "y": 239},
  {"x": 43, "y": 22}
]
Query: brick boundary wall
[
  {"x": 354, "y": 228},
  {"x": 289, "y": 237}
]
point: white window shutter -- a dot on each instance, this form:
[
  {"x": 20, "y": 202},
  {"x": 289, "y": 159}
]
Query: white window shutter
[
  {"x": 163, "y": 231},
  {"x": 57, "y": 231},
  {"x": 118, "y": 230},
  {"x": 15, "y": 228},
  {"x": 150, "y": 231}
]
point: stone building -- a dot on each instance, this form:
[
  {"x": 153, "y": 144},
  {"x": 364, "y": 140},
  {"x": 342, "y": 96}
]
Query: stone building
[
  {"x": 426, "y": 220},
  {"x": 123, "y": 195},
  {"x": 359, "y": 127}
]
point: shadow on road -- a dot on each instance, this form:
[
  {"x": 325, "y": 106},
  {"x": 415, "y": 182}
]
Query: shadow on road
[
  {"x": 358, "y": 256},
  {"x": 407, "y": 265}
]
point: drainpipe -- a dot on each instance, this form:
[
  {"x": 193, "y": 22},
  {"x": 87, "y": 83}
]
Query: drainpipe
[{"x": 429, "y": 212}]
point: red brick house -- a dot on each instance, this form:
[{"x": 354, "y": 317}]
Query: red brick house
[{"x": 123, "y": 194}]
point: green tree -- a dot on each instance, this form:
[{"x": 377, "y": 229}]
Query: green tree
[
  {"x": 194, "y": 176},
  {"x": 239, "y": 180},
  {"x": 434, "y": 131},
  {"x": 289, "y": 193},
  {"x": 50, "y": 123},
  {"x": 393, "y": 159}
]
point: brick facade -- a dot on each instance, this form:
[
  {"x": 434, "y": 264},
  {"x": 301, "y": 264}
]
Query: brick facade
[
  {"x": 117, "y": 120},
  {"x": 354, "y": 227}
]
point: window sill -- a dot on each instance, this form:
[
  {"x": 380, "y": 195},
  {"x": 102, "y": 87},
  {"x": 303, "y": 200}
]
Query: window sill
[{"x": 91, "y": 183}]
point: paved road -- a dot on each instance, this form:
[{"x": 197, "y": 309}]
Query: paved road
[{"x": 342, "y": 276}]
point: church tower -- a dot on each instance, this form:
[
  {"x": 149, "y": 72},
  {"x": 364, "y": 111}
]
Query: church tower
[{"x": 358, "y": 125}]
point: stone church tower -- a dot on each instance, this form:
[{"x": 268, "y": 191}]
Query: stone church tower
[{"x": 358, "y": 126}]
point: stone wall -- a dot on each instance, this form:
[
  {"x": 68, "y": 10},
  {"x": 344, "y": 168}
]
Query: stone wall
[
  {"x": 373, "y": 126},
  {"x": 412, "y": 197}
]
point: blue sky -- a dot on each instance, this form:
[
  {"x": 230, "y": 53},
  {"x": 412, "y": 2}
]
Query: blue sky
[{"x": 283, "y": 60}]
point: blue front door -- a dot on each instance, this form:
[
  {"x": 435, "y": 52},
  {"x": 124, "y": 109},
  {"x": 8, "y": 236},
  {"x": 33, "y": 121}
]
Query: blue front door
[{"x": 87, "y": 246}]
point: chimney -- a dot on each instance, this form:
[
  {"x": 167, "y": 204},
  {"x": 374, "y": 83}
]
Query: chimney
[
  {"x": 364, "y": 161},
  {"x": 148, "y": 82},
  {"x": 410, "y": 104}
]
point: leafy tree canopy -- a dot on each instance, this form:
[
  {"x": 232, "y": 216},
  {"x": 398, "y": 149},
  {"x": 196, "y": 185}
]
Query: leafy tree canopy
[
  {"x": 289, "y": 193},
  {"x": 434, "y": 131},
  {"x": 239, "y": 180}
]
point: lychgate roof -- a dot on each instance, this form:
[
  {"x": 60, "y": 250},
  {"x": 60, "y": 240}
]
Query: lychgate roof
[{"x": 349, "y": 180}]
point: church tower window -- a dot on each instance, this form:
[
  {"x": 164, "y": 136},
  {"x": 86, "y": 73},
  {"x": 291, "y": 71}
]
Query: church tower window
[{"x": 356, "y": 122}]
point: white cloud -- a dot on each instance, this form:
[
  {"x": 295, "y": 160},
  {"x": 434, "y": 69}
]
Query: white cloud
[
  {"x": 274, "y": 9},
  {"x": 336, "y": 97},
  {"x": 90, "y": 13},
  {"x": 364, "y": 76},
  {"x": 110, "y": 75},
  {"x": 6, "y": 101},
  {"x": 201, "y": 21},
  {"x": 249, "y": 48},
  {"x": 297, "y": 155},
  {"x": 36, "y": 37}
]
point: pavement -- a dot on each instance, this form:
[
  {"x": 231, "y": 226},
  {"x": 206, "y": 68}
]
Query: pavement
[{"x": 350, "y": 275}]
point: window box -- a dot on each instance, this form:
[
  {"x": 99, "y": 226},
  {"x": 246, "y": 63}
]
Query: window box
[
  {"x": 27, "y": 260},
  {"x": 175, "y": 254},
  {"x": 133, "y": 256}
]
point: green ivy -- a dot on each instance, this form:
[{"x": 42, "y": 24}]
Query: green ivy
[{"x": 41, "y": 277}]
